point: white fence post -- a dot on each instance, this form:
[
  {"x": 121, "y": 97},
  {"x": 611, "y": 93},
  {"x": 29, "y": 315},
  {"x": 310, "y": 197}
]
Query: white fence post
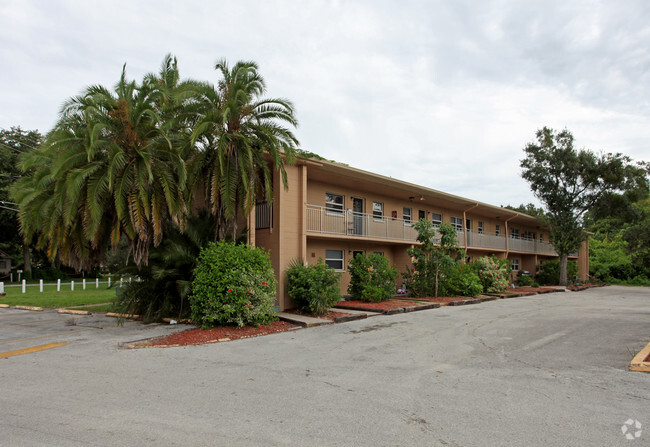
[
  {"x": 2, "y": 287},
  {"x": 58, "y": 285},
  {"x": 121, "y": 282},
  {"x": 109, "y": 282},
  {"x": 84, "y": 283},
  {"x": 23, "y": 286},
  {"x": 96, "y": 283},
  {"x": 40, "y": 285},
  {"x": 72, "y": 286}
]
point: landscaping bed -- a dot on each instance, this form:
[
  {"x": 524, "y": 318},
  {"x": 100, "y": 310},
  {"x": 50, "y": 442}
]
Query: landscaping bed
[
  {"x": 444, "y": 300},
  {"x": 528, "y": 289},
  {"x": 213, "y": 335},
  {"x": 331, "y": 315},
  {"x": 386, "y": 307}
]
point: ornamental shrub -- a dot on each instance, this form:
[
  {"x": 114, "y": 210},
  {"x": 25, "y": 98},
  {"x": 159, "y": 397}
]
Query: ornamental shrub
[
  {"x": 493, "y": 272},
  {"x": 461, "y": 281},
  {"x": 372, "y": 278},
  {"x": 313, "y": 288},
  {"x": 233, "y": 285},
  {"x": 524, "y": 281},
  {"x": 548, "y": 272}
]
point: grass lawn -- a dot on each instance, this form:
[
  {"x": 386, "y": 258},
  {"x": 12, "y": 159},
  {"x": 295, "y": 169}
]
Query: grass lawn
[{"x": 51, "y": 298}]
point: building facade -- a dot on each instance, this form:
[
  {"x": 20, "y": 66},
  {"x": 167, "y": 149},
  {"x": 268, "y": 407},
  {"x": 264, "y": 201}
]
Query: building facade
[{"x": 331, "y": 212}]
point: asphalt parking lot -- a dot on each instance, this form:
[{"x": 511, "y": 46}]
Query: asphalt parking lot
[{"x": 536, "y": 371}]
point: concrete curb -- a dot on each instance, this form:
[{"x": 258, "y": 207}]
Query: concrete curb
[
  {"x": 4, "y": 306},
  {"x": 638, "y": 363},
  {"x": 74, "y": 312},
  {"x": 117, "y": 315},
  {"x": 464, "y": 302},
  {"x": 37, "y": 309}
]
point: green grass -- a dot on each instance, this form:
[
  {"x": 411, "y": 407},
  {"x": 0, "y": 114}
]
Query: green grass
[{"x": 51, "y": 298}]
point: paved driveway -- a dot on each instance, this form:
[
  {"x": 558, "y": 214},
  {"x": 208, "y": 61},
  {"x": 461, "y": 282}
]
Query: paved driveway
[{"x": 534, "y": 371}]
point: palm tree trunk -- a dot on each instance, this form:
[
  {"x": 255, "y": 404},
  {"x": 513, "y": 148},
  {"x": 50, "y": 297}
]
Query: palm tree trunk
[{"x": 27, "y": 260}]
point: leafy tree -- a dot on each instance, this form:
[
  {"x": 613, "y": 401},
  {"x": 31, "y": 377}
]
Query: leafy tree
[
  {"x": 13, "y": 143},
  {"x": 431, "y": 259},
  {"x": 529, "y": 209},
  {"x": 569, "y": 182},
  {"x": 239, "y": 132}
]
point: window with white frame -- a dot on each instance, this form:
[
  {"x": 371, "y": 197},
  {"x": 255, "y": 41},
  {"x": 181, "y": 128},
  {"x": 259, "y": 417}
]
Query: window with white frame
[
  {"x": 497, "y": 230},
  {"x": 406, "y": 212},
  {"x": 436, "y": 219},
  {"x": 480, "y": 227},
  {"x": 457, "y": 223},
  {"x": 334, "y": 202},
  {"x": 515, "y": 265},
  {"x": 334, "y": 258},
  {"x": 378, "y": 210},
  {"x": 514, "y": 233}
]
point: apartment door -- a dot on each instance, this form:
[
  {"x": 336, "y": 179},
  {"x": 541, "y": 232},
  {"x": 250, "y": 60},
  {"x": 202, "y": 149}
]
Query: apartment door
[
  {"x": 357, "y": 215},
  {"x": 468, "y": 230}
]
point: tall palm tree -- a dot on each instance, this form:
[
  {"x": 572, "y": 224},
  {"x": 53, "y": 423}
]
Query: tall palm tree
[
  {"x": 241, "y": 137},
  {"x": 108, "y": 169}
]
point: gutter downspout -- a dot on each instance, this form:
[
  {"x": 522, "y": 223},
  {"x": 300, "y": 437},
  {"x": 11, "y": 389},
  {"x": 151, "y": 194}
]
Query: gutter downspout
[
  {"x": 465, "y": 224},
  {"x": 507, "y": 234}
]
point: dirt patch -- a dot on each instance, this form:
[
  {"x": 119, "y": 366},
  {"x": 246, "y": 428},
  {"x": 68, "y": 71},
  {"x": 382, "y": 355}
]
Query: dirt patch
[{"x": 214, "y": 335}]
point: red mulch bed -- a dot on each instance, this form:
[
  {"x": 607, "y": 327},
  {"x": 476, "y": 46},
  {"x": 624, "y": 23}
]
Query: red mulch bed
[
  {"x": 329, "y": 316},
  {"x": 647, "y": 359},
  {"x": 384, "y": 305},
  {"x": 214, "y": 335}
]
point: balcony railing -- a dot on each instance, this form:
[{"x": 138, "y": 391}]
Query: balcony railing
[{"x": 348, "y": 223}]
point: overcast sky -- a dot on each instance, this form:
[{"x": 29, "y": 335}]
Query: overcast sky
[{"x": 440, "y": 93}]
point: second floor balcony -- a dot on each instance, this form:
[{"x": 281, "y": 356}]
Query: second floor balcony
[{"x": 322, "y": 220}]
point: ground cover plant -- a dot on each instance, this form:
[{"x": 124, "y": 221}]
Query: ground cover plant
[
  {"x": 313, "y": 288},
  {"x": 372, "y": 278},
  {"x": 233, "y": 285}
]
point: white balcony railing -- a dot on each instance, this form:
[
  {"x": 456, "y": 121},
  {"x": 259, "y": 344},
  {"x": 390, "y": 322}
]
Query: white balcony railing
[{"x": 349, "y": 223}]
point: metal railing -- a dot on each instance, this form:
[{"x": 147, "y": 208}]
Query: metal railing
[{"x": 348, "y": 223}]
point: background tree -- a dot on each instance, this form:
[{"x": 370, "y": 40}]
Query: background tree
[
  {"x": 530, "y": 208},
  {"x": 570, "y": 182},
  {"x": 13, "y": 143}
]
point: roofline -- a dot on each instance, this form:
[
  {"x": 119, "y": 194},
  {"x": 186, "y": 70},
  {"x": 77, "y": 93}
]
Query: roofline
[{"x": 509, "y": 214}]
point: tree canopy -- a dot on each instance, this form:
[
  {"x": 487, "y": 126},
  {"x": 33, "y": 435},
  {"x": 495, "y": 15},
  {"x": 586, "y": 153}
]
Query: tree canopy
[{"x": 570, "y": 182}]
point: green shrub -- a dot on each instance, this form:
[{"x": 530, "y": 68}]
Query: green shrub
[
  {"x": 548, "y": 272},
  {"x": 233, "y": 285},
  {"x": 493, "y": 272},
  {"x": 313, "y": 288},
  {"x": 372, "y": 278},
  {"x": 535, "y": 284},
  {"x": 461, "y": 281},
  {"x": 524, "y": 281}
]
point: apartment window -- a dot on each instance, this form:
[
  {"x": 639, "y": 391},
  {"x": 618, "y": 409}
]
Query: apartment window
[
  {"x": 380, "y": 253},
  {"x": 263, "y": 215},
  {"x": 515, "y": 265},
  {"x": 514, "y": 233},
  {"x": 541, "y": 237},
  {"x": 497, "y": 230},
  {"x": 436, "y": 219},
  {"x": 422, "y": 214},
  {"x": 357, "y": 252},
  {"x": 407, "y": 215},
  {"x": 378, "y": 210},
  {"x": 457, "y": 223},
  {"x": 529, "y": 235},
  {"x": 480, "y": 227},
  {"x": 3, "y": 264},
  {"x": 334, "y": 258},
  {"x": 334, "y": 202}
]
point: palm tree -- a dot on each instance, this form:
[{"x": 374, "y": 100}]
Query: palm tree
[
  {"x": 108, "y": 169},
  {"x": 239, "y": 134}
]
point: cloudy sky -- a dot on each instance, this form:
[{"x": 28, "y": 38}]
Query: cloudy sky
[{"x": 440, "y": 93}]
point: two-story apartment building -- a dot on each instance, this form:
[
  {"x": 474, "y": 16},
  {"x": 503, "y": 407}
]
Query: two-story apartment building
[{"x": 331, "y": 212}]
